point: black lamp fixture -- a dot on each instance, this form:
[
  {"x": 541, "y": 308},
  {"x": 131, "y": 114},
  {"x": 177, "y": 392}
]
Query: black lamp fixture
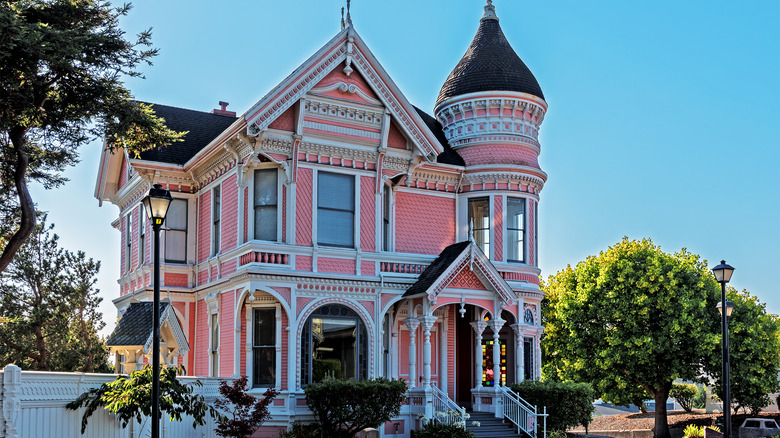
[
  {"x": 156, "y": 204},
  {"x": 723, "y": 275}
]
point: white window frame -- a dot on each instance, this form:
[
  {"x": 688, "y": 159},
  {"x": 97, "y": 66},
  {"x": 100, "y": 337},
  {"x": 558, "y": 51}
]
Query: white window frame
[
  {"x": 129, "y": 241},
  {"x": 250, "y": 229},
  {"x": 214, "y": 353},
  {"x": 216, "y": 219},
  {"x": 250, "y": 327},
  {"x": 141, "y": 236},
  {"x": 186, "y": 231},
  {"x": 387, "y": 237},
  {"x": 491, "y": 222},
  {"x": 355, "y": 203},
  {"x": 526, "y": 222}
]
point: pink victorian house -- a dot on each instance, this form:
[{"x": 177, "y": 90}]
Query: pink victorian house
[{"x": 334, "y": 229}]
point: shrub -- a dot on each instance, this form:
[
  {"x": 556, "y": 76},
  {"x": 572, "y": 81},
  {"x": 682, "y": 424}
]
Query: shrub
[
  {"x": 684, "y": 393},
  {"x": 345, "y": 407},
  {"x": 568, "y": 404},
  {"x": 440, "y": 430},
  {"x": 700, "y": 401},
  {"x": 300, "y": 430},
  {"x": 247, "y": 413},
  {"x": 693, "y": 431}
]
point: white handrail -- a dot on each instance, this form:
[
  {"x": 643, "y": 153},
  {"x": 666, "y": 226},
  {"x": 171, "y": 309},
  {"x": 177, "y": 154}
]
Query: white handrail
[
  {"x": 521, "y": 413},
  {"x": 445, "y": 410}
]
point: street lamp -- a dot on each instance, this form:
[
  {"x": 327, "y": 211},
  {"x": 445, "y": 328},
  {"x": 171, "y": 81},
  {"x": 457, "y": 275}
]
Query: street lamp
[
  {"x": 723, "y": 275},
  {"x": 156, "y": 204}
]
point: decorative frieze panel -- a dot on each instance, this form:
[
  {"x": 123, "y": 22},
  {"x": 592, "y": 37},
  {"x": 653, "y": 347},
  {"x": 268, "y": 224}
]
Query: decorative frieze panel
[{"x": 341, "y": 112}]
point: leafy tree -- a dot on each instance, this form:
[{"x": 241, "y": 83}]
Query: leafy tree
[
  {"x": 247, "y": 413},
  {"x": 62, "y": 63},
  {"x": 632, "y": 319},
  {"x": 130, "y": 398},
  {"x": 345, "y": 407},
  {"x": 50, "y": 308},
  {"x": 754, "y": 349},
  {"x": 684, "y": 393}
]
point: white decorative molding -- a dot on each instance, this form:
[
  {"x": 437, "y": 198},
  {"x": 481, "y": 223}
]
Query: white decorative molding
[
  {"x": 342, "y": 130},
  {"x": 346, "y": 89}
]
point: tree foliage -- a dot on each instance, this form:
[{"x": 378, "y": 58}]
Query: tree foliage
[
  {"x": 130, "y": 398},
  {"x": 345, "y": 407},
  {"x": 754, "y": 349},
  {"x": 630, "y": 321},
  {"x": 50, "y": 308},
  {"x": 62, "y": 63},
  {"x": 245, "y": 412}
]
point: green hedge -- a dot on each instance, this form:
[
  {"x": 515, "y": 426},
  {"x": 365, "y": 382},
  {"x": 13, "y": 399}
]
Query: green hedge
[
  {"x": 568, "y": 404},
  {"x": 345, "y": 407}
]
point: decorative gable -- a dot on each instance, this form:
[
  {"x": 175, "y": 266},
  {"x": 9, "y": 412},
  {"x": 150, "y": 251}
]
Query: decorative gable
[{"x": 331, "y": 71}]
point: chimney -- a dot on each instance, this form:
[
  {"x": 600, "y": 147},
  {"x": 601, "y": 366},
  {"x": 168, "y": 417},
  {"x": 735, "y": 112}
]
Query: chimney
[{"x": 223, "y": 110}]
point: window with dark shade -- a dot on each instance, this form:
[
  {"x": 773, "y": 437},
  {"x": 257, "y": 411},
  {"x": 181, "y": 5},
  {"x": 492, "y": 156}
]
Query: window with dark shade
[
  {"x": 265, "y": 202},
  {"x": 334, "y": 344},
  {"x": 335, "y": 209},
  {"x": 264, "y": 347},
  {"x": 176, "y": 232}
]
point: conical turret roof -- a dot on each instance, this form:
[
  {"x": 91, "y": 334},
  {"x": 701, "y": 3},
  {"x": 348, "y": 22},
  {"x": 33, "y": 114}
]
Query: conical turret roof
[{"x": 490, "y": 64}]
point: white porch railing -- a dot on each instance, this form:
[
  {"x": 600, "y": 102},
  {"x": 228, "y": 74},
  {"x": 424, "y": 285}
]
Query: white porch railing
[
  {"x": 445, "y": 410},
  {"x": 522, "y": 414}
]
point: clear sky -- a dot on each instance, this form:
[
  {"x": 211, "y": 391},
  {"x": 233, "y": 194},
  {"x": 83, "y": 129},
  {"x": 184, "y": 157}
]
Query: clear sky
[{"x": 663, "y": 121}]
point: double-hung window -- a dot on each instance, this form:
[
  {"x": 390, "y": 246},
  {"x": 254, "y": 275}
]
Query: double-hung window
[
  {"x": 128, "y": 242},
  {"x": 335, "y": 209},
  {"x": 264, "y": 347},
  {"x": 386, "y": 220},
  {"x": 515, "y": 227},
  {"x": 479, "y": 221},
  {"x": 216, "y": 213},
  {"x": 214, "y": 348},
  {"x": 266, "y": 201},
  {"x": 141, "y": 236},
  {"x": 176, "y": 232}
]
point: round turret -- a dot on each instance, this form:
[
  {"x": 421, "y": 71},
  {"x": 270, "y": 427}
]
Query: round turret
[{"x": 491, "y": 105}]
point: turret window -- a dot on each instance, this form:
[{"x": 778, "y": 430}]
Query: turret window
[
  {"x": 479, "y": 221},
  {"x": 515, "y": 227}
]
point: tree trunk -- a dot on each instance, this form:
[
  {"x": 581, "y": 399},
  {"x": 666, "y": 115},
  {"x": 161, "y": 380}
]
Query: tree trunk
[
  {"x": 27, "y": 223},
  {"x": 661, "y": 428},
  {"x": 40, "y": 342}
]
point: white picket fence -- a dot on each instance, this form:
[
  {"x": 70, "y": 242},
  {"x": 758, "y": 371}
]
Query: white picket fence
[{"x": 33, "y": 406}]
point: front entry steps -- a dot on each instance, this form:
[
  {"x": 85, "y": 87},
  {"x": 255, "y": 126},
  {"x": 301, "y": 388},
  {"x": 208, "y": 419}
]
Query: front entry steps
[{"x": 490, "y": 426}]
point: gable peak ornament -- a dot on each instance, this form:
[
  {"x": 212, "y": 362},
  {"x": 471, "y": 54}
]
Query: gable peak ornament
[
  {"x": 490, "y": 12},
  {"x": 348, "y": 22}
]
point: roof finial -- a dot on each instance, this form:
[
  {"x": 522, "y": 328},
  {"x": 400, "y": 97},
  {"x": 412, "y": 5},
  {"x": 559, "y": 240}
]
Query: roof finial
[
  {"x": 343, "y": 26},
  {"x": 490, "y": 12},
  {"x": 349, "y": 17}
]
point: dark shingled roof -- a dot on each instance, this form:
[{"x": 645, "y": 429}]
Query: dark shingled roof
[
  {"x": 203, "y": 127},
  {"x": 435, "y": 269},
  {"x": 135, "y": 326},
  {"x": 449, "y": 156},
  {"x": 490, "y": 64}
]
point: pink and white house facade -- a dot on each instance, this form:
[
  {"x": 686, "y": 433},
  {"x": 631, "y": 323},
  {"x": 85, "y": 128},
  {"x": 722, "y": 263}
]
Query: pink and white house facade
[{"x": 333, "y": 229}]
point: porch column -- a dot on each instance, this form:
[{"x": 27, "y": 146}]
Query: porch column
[
  {"x": 412, "y": 324},
  {"x": 538, "y": 347},
  {"x": 519, "y": 359},
  {"x": 427, "y": 323},
  {"x": 443, "y": 335},
  {"x": 479, "y": 327},
  {"x": 495, "y": 325}
]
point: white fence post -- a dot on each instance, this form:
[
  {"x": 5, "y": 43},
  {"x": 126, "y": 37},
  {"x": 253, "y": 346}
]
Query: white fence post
[{"x": 12, "y": 382}]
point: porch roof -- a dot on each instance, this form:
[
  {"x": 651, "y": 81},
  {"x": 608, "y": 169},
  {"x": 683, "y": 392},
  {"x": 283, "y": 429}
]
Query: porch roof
[
  {"x": 437, "y": 268},
  {"x": 135, "y": 326}
]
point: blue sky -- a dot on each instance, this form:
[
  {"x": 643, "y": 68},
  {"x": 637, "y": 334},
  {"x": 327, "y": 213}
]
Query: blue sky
[{"x": 663, "y": 121}]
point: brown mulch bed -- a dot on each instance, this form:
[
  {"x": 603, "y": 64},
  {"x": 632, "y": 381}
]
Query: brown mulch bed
[{"x": 677, "y": 419}]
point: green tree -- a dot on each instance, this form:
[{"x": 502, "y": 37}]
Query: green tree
[
  {"x": 62, "y": 63},
  {"x": 130, "y": 398},
  {"x": 50, "y": 308},
  {"x": 754, "y": 349},
  {"x": 632, "y": 319}
]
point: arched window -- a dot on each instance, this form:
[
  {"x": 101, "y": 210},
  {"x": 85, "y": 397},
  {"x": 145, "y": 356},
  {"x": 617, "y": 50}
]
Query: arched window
[
  {"x": 529, "y": 316},
  {"x": 334, "y": 343}
]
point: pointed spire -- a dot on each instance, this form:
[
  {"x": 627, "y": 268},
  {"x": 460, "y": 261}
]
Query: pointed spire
[
  {"x": 343, "y": 26},
  {"x": 490, "y": 12},
  {"x": 349, "y": 17}
]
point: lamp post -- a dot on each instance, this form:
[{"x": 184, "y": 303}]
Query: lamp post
[
  {"x": 156, "y": 203},
  {"x": 723, "y": 275}
]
